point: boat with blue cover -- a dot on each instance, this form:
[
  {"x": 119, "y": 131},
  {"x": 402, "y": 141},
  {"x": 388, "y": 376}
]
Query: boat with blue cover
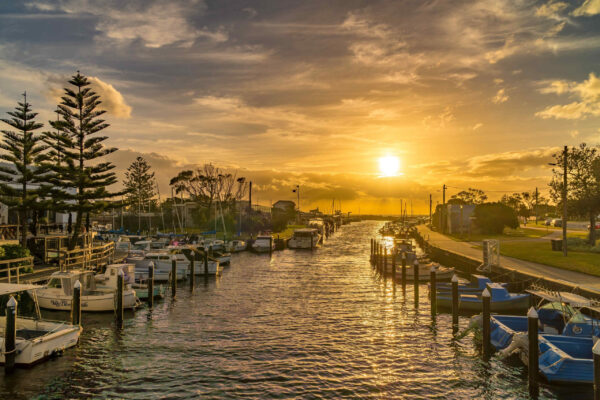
[
  {"x": 566, "y": 359},
  {"x": 476, "y": 285},
  {"x": 501, "y": 300}
]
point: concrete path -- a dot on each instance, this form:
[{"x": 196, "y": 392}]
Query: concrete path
[{"x": 572, "y": 278}]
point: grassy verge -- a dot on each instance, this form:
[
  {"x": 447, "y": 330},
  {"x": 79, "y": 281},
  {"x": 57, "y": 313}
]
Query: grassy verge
[
  {"x": 540, "y": 252},
  {"x": 288, "y": 232},
  {"x": 507, "y": 234}
]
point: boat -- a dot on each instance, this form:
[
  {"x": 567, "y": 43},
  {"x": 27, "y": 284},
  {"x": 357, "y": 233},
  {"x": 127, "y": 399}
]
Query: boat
[
  {"x": 235, "y": 246},
  {"x": 501, "y": 300},
  {"x": 304, "y": 238},
  {"x": 108, "y": 279},
  {"x": 477, "y": 284},
  {"x": 222, "y": 257},
  {"x": 163, "y": 264},
  {"x": 263, "y": 244},
  {"x": 57, "y": 294},
  {"x": 442, "y": 273},
  {"x": 37, "y": 338},
  {"x": 565, "y": 359}
]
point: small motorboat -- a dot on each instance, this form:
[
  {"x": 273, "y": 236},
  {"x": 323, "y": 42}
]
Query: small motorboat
[
  {"x": 305, "y": 238},
  {"x": 108, "y": 279},
  {"x": 476, "y": 285},
  {"x": 57, "y": 294},
  {"x": 163, "y": 264},
  {"x": 565, "y": 359},
  {"x": 222, "y": 257},
  {"x": 263, "y": 244},
  {"x": 442, "y": 273},
  {"x": 235, "y": 246},
  {"x": 501, "y": 300}
]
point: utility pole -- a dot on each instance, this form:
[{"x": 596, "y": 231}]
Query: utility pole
[
  {"x": 444, "y": 187},
  {"x": 536, "y": 205},
  {"x": 564, "y": 216},
  {"x": 430, "y": 204}
]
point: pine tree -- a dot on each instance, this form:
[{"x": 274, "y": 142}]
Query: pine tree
[
  {"x": 21, "y": 181},
  {"x": 56, "y": 140},
  {"x": 139, "y": 182},
  {"x": 82, "y": 177}
]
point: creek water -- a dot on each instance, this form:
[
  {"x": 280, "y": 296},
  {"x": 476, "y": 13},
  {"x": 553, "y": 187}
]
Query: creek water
[{"x": 300, "y": 324}]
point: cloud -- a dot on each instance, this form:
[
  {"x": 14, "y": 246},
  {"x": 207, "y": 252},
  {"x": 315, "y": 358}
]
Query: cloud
[
  {"x": 500, "y": 97},
  {"x": 552, "y": 9},
  {"x": 112, "y": 100},
  {"x": 587, "y": 93},
  {"x": 588, "y": 8},
  {"x": 477, "y": 126}
]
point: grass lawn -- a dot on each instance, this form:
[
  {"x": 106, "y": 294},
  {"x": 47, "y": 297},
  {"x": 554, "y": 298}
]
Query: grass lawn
[
  {"x": 507, "y": 234},
  {"x": 540, "y": 252},
  {"x": 288, "y": 232}
]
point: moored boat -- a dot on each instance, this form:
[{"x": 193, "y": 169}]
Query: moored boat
[
  {"x": 305, "y": 238},
  {"x": 501, "y": 300},
  {"x": 263, "y": 244}
]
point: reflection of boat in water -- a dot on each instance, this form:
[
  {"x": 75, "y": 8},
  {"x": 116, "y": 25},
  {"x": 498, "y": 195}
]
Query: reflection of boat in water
[
  {"x": 305, "y": 238},
  {"x": 57, "y": 294},
  {"x": 37, "y": 339}
]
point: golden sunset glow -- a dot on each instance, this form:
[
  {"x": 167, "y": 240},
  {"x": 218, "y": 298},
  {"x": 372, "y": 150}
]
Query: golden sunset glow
[{"x": 389, "y": 165}]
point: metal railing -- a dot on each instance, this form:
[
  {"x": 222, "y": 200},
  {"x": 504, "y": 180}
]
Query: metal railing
[
  {"x": 13, "y": 267},
  {"x": 89, "y": 257}
]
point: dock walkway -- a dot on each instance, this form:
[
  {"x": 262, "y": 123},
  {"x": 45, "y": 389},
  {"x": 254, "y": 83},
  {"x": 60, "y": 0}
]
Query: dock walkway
[{"x": 570, "y": 278}]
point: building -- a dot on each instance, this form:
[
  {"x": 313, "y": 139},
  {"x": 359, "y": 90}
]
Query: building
[
  {"x": 459, "y": 217},
  {"x": 284, "y": 206}
]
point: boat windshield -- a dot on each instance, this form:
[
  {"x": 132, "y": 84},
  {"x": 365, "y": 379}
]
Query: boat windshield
[{"x": 55, "y": 283}]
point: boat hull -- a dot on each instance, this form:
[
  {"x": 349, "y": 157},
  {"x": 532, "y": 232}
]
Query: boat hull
[
  {"x": 518, "y": 303},
  {"x": 96, "y": 303}
]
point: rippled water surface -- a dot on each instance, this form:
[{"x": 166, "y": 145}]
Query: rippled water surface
[{"x": 298, "y": 325}]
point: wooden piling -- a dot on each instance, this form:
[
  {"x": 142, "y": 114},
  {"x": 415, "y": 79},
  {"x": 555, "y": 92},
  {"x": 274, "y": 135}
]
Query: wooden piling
[
  {"x": 192, "y": 274},
  {"x": 455, "y": 304},
  {"x": 385, "y": 254},
  {"x": 173, "y": 278},
  {"x": 150, "y": 285},
  {"x": 403, "y": 271},
  {"x": 433, "y": 291},
  {"x": 119, "y": 302},
  {"x": 76, "y": 304},
  {"x": 394, "y": 252},
  {"x": 312, "y": 245},
  {"x": 416, "y": 282},
  {"x": 205, "y": 264},
  {"x": 596, "y": 356},
  {"x": 533, "y": 357},
  {"x": 271, "y": 246},
  {"x": 486, "y": 345},
  {"x": 10, "y": 336},
  {"x": 371, "y": 253}
]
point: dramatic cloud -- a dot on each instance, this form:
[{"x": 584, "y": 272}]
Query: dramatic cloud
[
  {"x": 588, "y": 8},
  {"x": 588, "y": 93},
  {"x": 500, "y": 97}
]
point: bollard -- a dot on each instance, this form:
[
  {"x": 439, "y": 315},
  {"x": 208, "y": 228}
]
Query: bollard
[
  {"x": 433, "y": 291},
  {"x": 416, "y": 282},
  {"x": 192, "y": 274},
  {"x": 10, "y": 336},
  {"x": 454, "y": 304},
  {"x": 485, "y": 300},
  {"x": 596, "y": 355},
  {"x": 385, "y": 254},
  {"x": 76, "y": 304},
  {"x": 533, "y": 358},
  {"x": 403, "y": 270},
  {"x": 173, "y": 278},
  {"x": 150, "y": 285},
  {"x": 119, "y": 310},
  {"x": 394, "y": 252},
  {"x": 205, "y": 264},
  {"x": 270, "y": 246},
  {"x": 371, "y": 257}
]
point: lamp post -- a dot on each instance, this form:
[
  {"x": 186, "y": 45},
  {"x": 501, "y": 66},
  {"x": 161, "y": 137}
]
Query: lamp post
[{"x": 297, "y": 191}]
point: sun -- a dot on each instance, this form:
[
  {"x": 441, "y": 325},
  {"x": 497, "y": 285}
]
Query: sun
[{"x": 389, "y": 165}]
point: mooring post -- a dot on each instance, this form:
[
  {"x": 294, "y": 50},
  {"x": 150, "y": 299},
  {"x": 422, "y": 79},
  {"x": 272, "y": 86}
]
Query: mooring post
[
  {"x": 533, "y": 358},
  {"x": 271, "y": 246},
  {"x": 173, "y": 277},
  {"x": 205, "y": 264},
  {"x": 433, "y": 291},
  {"x": 119, "y": 311},
  {"x": 385, "y": 254},
  {"x": 150, "y": 285},
  {"x": 403, "y": 270},
  {"x": 486, "y": 300},
  {"x": 416, "y": 282},
  {"x": 394, "y": 252},
  {"x": 596, "y": 355},
  {"x": 192, "y": 276},
  {"x": 454, "y": 304},
  {"x": 371, "y": 254},
  {"x": 311, "y": 242},
  {"x": 10, "y": 336},
  {"x": 76, "y": 304}
]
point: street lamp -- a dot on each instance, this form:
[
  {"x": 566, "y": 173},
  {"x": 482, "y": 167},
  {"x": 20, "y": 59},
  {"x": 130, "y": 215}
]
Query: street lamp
[{"x": 564, "y": 199}]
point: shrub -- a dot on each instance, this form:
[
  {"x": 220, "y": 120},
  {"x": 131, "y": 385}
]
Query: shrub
[
  {"x": 12, "y": 251},
  {"x": 492, "y": 218}
]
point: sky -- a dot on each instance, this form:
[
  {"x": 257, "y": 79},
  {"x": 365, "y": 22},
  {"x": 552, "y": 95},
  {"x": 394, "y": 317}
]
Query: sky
[{"x": 477, "y": 93}]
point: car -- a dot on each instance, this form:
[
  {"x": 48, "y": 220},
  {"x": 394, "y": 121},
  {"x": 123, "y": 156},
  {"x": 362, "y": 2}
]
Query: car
[
  {"x": 548, "y": 222},
  {"x": 556, "y": 222},
  {"x": 596, "y": 226}
]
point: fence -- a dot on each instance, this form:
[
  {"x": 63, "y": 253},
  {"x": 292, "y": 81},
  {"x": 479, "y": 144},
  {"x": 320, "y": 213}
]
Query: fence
[
  {"x": 13, "y": 267},
  {"x": 89, "y": 257}
]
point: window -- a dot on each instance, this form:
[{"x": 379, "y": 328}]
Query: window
[{"x": 55, "y": 283}]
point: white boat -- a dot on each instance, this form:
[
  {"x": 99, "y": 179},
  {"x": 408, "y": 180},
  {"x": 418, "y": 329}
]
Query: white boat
[
  {"x": 263, "y": 244},
  {"x": 305, "y": 238},
  {"x": 58, "y": 293},
  {"x": 214, "y": 268},
  {"x": 37, "y": 339},
  {"x": 215, "y": 244},
  {"x": 162, "y": 265},
  {"x": 222, "y": 257},
  {"x": 235, "y": 246}
]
